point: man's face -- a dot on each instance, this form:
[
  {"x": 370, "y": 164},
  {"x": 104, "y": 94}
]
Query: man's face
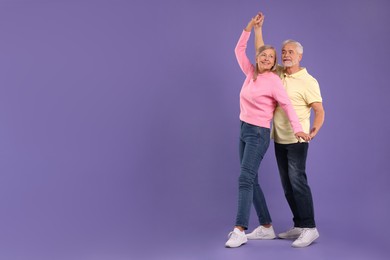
[{"x": 290, "y": 56}]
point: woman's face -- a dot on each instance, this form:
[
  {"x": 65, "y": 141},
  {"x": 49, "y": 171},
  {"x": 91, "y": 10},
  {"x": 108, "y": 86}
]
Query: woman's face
[{"x": 266, "y": 60}]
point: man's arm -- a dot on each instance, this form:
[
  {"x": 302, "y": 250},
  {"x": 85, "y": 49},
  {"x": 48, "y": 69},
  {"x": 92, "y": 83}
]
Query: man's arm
[
  {"x": 319, "y": 117},
  {"x": 259, "y": 31}
]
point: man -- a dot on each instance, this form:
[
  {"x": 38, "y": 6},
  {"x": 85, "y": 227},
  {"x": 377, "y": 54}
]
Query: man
[{"x": 304, "y": 93}]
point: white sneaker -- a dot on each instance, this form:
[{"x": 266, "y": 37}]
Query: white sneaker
[
  {"x": 262, "y": 232},
  {"x": 292, "y": 233},
  {"x": 236, "y": 238},
  {"x": 307, "y": 237}
]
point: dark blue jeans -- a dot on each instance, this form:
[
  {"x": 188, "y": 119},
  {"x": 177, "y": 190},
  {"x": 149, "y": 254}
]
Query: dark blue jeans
[
  {"x": 291, "y": 160},
  {"x": 254, "y": 142}
]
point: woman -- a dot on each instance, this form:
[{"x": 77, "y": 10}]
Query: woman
[{"x": 261, "y": 92}]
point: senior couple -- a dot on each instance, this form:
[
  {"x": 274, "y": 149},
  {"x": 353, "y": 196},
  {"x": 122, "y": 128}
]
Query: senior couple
[{"x": 285, "y": 94}]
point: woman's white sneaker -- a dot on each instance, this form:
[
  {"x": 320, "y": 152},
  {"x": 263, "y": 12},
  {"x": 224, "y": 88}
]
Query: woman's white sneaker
[
  {"x": 262, "y": 232},
  {"x": 307, "y": 237},
  {"x": 236, "y": 238}
]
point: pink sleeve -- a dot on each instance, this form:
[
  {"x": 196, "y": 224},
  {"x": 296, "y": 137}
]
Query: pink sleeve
[
  {"x": 240, "y": 52},
  {"x": 282, "y": 98}
]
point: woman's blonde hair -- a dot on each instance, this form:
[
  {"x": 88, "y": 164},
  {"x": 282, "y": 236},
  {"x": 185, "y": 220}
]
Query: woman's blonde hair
[{"x": 260, "y": 50}]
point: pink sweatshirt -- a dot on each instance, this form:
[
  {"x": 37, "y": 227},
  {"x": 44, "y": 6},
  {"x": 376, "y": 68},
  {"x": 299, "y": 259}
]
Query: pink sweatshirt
[{"x": 258, "y": 99}]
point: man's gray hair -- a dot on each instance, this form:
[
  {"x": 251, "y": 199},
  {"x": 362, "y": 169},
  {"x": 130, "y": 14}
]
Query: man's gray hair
[{"x": 297, "y": 44}]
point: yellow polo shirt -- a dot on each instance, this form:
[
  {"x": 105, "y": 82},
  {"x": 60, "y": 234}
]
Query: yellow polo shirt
[{"x": 303, "y": 89}]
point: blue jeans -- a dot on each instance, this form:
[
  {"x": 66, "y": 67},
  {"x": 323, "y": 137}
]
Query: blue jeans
[
  {"x": 254, "y": 142},
  {"x": 291, "y": 160}
]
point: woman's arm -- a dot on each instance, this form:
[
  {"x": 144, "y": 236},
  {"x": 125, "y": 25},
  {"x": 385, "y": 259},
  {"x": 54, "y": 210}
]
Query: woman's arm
[
  {"x": 241, "y": 46},
  {"x": 282, "y": 98}
]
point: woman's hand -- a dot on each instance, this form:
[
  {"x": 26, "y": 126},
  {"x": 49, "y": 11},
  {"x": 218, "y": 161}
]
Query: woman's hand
[
  {"x": 255, "y": 21},
  {"x": 302, "y": 135}
]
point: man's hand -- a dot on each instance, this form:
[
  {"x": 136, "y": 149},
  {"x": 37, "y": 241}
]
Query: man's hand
[
  {"x": 259, "y": 20},
  {"x": 313, "y": 132},
  {"x": 319, "y": 117}
]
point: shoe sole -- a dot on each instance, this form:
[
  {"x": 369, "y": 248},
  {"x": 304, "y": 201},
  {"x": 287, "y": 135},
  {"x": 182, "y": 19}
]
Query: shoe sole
[
  {"x": 305, "y": 245},
  {"x": 263, "y": 238},
  {"x": 288, "y": 237},
  {"x": 235, "y": 246}
]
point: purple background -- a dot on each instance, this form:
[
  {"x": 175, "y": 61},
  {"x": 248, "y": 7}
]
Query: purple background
[{"x": 119, "y": 126}]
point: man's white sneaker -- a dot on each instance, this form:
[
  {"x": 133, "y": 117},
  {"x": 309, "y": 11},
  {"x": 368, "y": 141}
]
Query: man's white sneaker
[
  {"x": 262, "y": 232},
  {"x": 307, "y": 237},
  {"x": 292, "y": 233},
  {"x": 236, "y": 238}
]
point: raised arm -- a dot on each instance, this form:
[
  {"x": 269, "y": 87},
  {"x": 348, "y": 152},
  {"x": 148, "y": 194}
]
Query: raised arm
[
  {"x": 241, "y": 46},
  {"x": 259, "y": 40},
  {"x": 258, "y": 28}
]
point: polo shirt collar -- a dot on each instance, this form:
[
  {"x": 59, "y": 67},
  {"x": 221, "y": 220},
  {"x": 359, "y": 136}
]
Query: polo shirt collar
[{"x": 297, "y": 74}]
